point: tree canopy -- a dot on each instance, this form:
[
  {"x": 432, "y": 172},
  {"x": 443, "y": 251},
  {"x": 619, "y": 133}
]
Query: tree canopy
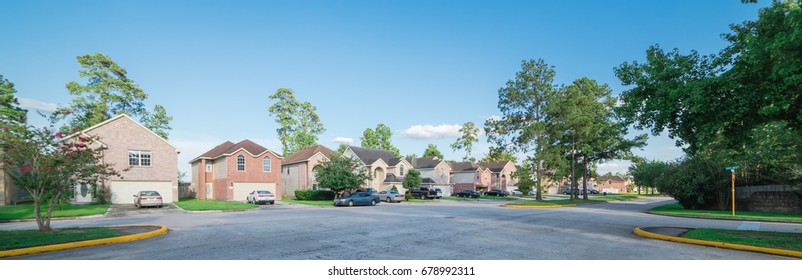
[
  {"x": 379, "y": 139},
  {"x": 470, "y": 134},
  {"x": 10, "y": 112},
  {"x": 432, "y": 151},
  {"x": 340, "y": 173}
]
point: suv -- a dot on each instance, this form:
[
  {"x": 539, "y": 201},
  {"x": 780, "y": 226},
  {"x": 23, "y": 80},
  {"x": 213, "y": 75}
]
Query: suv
[{"x": 423, "y": 193}]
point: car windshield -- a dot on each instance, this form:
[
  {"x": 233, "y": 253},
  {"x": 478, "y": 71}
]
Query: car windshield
[
  {"x": 263, "y": 192},
  {"x": 149, "y": 193}
]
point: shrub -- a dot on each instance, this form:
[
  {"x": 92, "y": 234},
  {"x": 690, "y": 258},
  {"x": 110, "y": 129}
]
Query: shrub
[
  {"x": 696, "y": 183},
  {"x": 314, "y": 195},
  {"x": 408, "y": 196}
]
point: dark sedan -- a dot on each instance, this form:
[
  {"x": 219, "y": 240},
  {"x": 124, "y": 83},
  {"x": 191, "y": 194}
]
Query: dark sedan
[
  {"x": 467, "y": 193},
  {"x": 496, "y": 192},
  {"x": 360, "y": 198}
]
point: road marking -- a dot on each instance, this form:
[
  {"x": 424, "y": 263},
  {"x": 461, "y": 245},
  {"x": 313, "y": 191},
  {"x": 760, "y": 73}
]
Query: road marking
[{"x": 749, "y": 226}]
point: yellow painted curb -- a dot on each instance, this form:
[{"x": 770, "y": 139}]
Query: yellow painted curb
[
  {"x": 534, "y": 206},
  {"x": 642, "y": 233},
  {"x": 55, "y": 247}
]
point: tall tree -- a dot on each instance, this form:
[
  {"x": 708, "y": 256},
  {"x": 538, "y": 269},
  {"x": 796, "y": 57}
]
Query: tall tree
[
  {"x": 380, "y": 138},
  {"x": 107, "y": 93},
  {"x": 470, "y": 134},
  {"x": 432, "y": 151},
  {"x": 298, "y": 123},
  {"x": 341, "y": 149},
  {"x": 499, "y": 154},
  {"x": 412, "y": 180},
  {"x": 340, "y": 173},
  {"x": 10, "y": 112},
  {"x": 158, "y": 121},
  {"x": 521, "y": 103}
]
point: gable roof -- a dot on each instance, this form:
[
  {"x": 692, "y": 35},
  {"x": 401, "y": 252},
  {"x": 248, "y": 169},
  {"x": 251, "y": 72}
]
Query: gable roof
[
  {"x": 495, "y": 166},
  {"x": 368, "y": 156},
  {"x": 306, "y": 153},
  {"x": 228, "y": 148},
  {"x": 465, "y": 166},
  {"x": 613, "y": 178},
  {"x": 424, "y": 162},
  {"x": 85, "y": 131},
  {"x": 391, "y": 178}
]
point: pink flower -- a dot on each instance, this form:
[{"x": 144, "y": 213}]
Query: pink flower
[
  {"x": 26, "y": 168},
  {"x": 59, "y": 134},
  {"x": 79, "y": 145},
  {"x": 6, "y": 128},
  {"x": 67, "y": 112}
]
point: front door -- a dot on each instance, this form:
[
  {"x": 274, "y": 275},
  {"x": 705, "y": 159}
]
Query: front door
[
  {"x": 83, "y": 193},
  {"x": 208, "y": 190}
]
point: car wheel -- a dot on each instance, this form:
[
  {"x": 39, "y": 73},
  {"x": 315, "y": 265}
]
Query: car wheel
[
  {"x": 373, "y": 203},
  {"x": 350, "y": 203},
  {"x": 272, "y": 202},
  {"x": 388, "y": 200}
]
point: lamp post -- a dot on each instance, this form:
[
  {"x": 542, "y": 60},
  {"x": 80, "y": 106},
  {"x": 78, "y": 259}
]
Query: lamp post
[{"x": 732, "y": 170}]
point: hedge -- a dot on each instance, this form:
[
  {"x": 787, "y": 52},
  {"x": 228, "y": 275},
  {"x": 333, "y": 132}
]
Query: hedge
[{"x": 314, "y": 195}]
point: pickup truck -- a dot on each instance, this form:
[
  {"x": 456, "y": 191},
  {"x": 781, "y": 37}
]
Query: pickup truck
[{"x": 423, "y": 193}]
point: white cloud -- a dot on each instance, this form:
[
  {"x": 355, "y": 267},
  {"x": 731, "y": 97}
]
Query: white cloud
[
  {"x": 493, "y": 117},
  {"x": 343, "y": 140},
  {"x": 432, "y": 132},
  {"x": 615, "y": 166},
  {"x": 34, "y": 104}
]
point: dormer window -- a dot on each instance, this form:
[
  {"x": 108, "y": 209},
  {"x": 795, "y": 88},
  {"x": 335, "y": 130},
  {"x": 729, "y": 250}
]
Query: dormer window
[{"x": 402, "y": 171}]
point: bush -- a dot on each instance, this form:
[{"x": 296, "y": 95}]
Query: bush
[
  {"x": 408, "y": 196},
  {"x": 696, "y": 183},
  {"x": 314, "y": 195}
]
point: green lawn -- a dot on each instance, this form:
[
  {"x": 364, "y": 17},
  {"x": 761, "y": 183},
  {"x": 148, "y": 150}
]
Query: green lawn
[
  {"x": 459, "y": 198},
  {"x": 25, "y": 211},
  {"x": 677, "y": 210},
  {"x": 499, "y": 197},
  {"x": 16, "y": 239},
  {"x": 310, "y": 202},
  {"x": 767, "y": 239},
  {"x": 205, "y": 205}
]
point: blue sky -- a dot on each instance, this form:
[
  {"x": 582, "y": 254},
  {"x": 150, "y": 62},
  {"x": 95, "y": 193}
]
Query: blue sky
[{"x": 421, "y": 67}]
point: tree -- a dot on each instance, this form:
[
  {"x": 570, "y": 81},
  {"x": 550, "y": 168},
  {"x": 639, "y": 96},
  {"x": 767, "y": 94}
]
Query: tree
[
  {"x": 340, "y": 173},
  {"x": 10, "y": 112},
  {"x": 107, "y": 93},
  {"x": 341, "y": 149},
  {"x": 521, "y": 102},
  {"x": 526, "y": 177},
  {"x": 432, "y": 151},
  {"x": 412, "y": 180},
  {"x": 645, "y": 173},
  {"x": 298, "y": 123},
  {"x": 499, "y": 154},
  {"x": 379, "y": 139},
  {"x": 469, "y": 136},
  {"x": 47, "y": 166}
]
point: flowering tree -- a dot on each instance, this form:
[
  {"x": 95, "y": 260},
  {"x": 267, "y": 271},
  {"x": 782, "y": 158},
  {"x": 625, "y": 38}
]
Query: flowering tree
[{"x": 47, "y": 165}]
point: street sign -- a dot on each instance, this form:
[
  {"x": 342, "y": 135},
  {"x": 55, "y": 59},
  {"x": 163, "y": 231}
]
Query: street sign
[{"x": 732, "y": 168}]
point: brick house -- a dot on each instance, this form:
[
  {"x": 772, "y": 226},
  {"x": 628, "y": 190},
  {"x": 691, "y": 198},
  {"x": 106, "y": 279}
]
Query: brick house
[
  {"x": 434, "y": 172},
  {"x": 151, "y": 161},
  {"x": 501, "y": 174},
  {"x": 469, "y": 176},
  {"x": 384, "y": 168},
  {"x": 230, "y": 171},
  {"x": 298, "y": 169},
  {"x": 613, "y": 184}
]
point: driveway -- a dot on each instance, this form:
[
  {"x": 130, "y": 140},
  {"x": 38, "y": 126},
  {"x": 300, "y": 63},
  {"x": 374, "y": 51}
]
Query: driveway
[{"x": 445, "y": 230}]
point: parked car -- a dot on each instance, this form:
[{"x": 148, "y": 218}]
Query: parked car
[
  {"x": 467, "y": 194},
  {"x": 261, "y": 197},
  {"x": 516, "y": 192},
  {"x": 439, "y": 193},
  {"x": 370, "y": 190},
  {"x": 423, "y": 193},
  {"x": 360, "y": 198},
  {"x": 148, "y": 198},
  {"x": 390, "y": 196},
  {"x": 496, "y": 192},
  {"x": 568, "y": 191}
]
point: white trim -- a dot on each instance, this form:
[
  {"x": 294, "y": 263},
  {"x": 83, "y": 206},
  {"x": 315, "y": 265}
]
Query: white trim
[
  {"x": 237, "y": 151},
  {"x": 244, "y": 165}
]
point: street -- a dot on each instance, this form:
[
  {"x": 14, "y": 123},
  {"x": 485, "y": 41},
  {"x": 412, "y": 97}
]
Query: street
[{"x": 444, "y": 230}]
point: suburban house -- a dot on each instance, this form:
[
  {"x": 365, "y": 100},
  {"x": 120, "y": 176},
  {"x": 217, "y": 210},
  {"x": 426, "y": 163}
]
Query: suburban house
[
  {"x": 501, "y": 174},
  {"x": 145, "y": 160},
  {"x": 613, "y": 184},
  {"x": 469, "y": 176},
  {"x": 298, "y": 169},
  {"x": 9, "y": 193},
  {"x": 384, "y": 168},
  {"x": 435, "y": 173},
  {"x": 230, "y": 171}
]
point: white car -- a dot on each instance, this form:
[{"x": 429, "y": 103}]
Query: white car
[
  {"x": 261, "y": 197},
  {"x": 516, "y": 192}
]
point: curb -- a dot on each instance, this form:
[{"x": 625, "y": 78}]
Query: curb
[
  {"x": 86, "y": 243},
  {"x": 533, "y": 206},
  {"x": 642, "y": 233},
  {"x": 213, "y": 211}
]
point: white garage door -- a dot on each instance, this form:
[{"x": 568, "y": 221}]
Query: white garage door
[
  {"x": 122, "y": 192},
  {"x": 445, "y": 188},
  {"x": 241, "y": 190}
]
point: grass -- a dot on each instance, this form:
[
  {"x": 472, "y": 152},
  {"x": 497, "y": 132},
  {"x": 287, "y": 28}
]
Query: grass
[
  {"x": 25, "y": 211},
  {"x": 310, "y": 202},
  {"x": 498, "y": 197},
  {"x": 767, "y": 239},
  {"x": 591, "y": 199},
  {"x": 677, "y": 210},
  {"x": 205, "y": 205},
  {"x": 459, "y": 198},
  {"x": 16, "y": 239}
]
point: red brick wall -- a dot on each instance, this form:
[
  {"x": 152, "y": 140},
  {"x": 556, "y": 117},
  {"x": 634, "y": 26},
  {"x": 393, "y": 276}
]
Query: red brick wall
[
  {"x": 461, "y": 187},
  {"x": 253, "y": 172}
]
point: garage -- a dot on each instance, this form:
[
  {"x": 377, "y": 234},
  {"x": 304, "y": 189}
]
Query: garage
[
  {"x": 241, "y": 190},
  {"x": 122, "y": 192}
]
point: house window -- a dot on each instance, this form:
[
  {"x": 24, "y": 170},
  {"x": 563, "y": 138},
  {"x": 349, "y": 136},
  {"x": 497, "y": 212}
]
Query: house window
[
  {"x": 240, "y": 163},
  {"x": 478, "y": 176},
  {"x": 402, "y": 171},
  {"x": 375, "y": 174},
  {"x": 266, "y": 164},
  {"x": 208, "y": 167},
  {"x": 138, "y": 158}
]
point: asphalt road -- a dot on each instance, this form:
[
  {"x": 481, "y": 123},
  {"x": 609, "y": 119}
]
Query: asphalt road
[{"x": 444, "y": 230}]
